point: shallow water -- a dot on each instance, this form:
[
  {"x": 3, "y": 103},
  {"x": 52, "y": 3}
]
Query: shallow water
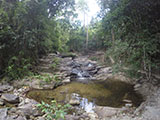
[{"x": 109, "y": 93}]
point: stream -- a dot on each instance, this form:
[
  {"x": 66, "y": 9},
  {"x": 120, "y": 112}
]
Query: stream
[
  {"x": 86, "y": 92},
  {"x": 112, "y": 94}
]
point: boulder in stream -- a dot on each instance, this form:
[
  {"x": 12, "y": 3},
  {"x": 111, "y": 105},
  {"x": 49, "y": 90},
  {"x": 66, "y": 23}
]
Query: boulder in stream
[
  {"x": 74, "y": 99},
  {"x": 74, "y": 102}
]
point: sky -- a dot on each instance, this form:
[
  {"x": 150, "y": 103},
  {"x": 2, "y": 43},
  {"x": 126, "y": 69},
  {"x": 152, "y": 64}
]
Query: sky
[{"x": 93, "y": 9}]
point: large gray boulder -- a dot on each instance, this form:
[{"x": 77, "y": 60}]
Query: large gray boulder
[
  {"x": 105, "y": 112},
  {"x": 5, "y": 88},
  {"x": 10, "y": 98},
  {"x": 15, "y": 117},
  {"x": 29, "y": 109},
  {"x": 20, "y": 118}
]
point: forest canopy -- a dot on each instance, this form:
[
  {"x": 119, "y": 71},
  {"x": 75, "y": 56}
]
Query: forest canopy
[
  {"x": 131, "y": 29},
  {"x": 127, "y": 30},
  {"x": 28, "y": 29}
]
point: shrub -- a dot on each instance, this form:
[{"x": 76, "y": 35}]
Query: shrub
[
  {"x": 54, "y": 110},
  {"x": 18, "y": 68}
]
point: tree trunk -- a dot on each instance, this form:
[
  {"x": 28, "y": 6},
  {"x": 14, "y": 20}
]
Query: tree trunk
[
  {"x": 113, "y": 38},
  {"x": 84, "y": 25},
  {"x": 87, "y": 38}
]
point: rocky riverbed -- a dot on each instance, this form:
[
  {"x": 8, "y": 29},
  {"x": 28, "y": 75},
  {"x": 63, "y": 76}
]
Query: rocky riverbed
[{"x": 16, "y": 105}]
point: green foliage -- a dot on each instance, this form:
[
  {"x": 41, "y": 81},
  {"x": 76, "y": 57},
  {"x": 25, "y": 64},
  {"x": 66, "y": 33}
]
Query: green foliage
[
  {"x": 33, "y": 27},
  {"x": 96, "y": 35},
  {"x": 83, "y": 6},
  {"x": 47, "y": 78},
  {"x": 54, "y": 66},
  {"x": 131, "y": 34},
  {"x": 54, "y": 110},
  {"x": 94, "y": 58},
  {"x": 56, "y": 60},
  {"x": 77, "y": 40},
  {"x": 55, "y": 63},
  {"x": 18, "y": 68}
]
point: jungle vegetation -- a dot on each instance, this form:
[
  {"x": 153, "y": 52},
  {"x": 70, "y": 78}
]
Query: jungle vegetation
[{"x": 127, "y": 30}]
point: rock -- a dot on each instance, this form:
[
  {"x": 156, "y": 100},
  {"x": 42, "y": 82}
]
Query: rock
[
  {"x": 23, "y": 82},
  {"x": 48, "y": 86},
  {"x": 40, "y": 118},
  {"x": 137, "y": 86},
  {"x": 1, "y": 102},
  {"x": 66, "y": 80},
  {"x": 121, "y": 77},
  {"x": 35, "y": 84},
  {"x": 104, "y": 112},
  {"x": 89, "y": 67},
  {"x": 39, "y": 84},
  {"x": 127, "y": 101},
  {"x": 74, "y": 99},
  {"x": 72, "y": 117},
  {"x": 3, "y": 114},
  {"x": 13, "y": 117},
  {"x": 5, "y": 88},
  {"x": 93, "y": 116},
  {"x": 83, "y": 80},
  {"x": 103, "y": 73},
  {"x": 102, "y": 76},
  {"x": 106, "y": 70},
  {"x": 11, "y": 98},
  {"x": 93, "y": 72},
  {"x": 53, "y": 54},
  {"x": 74, "y": 102},
  {"x": 128, "y": 105},
  {"x": 12, "y": 110},
  {"x": 92, "y": 62},
  {"x": 151, "y": 113},
  {"x": 74, "y": 64},
  {"x": 75, "y": 72},
  {"x": 21, "y": 118},
  {"x": 29, "y": 109},
  {"x": 57, "y": 84},
  {"x": 85, "y": 74}
]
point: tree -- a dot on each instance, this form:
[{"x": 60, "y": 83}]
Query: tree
[
  {"x": 133, "y": 25},
  {"x": 83, "y": 7},
  {"x": 29, "y": 29}
]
